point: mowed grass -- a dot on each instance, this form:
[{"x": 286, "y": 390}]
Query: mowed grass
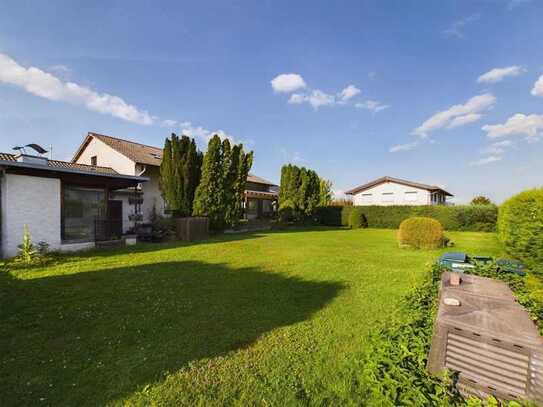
[{"x": 276, "y": 318}]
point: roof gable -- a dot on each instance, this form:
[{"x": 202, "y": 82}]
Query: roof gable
[
  {"x": 382, "y": 180},
  {"x": 139, "y": 153}
]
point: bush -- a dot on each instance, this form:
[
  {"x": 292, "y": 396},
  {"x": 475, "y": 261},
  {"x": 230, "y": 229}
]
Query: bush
[
  {"x": 520, "y": 226},
  {"x": 287, "y": 212},
  {"x": 421, "y": 233},
  {"x": 357, "y": 219},
  {"x": 475, "y": 218}
]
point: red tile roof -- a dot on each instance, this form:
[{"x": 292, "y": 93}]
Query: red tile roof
[{"x": 139, "y": 153}]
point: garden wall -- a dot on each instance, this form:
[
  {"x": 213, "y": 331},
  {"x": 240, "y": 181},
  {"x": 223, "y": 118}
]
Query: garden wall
[
  {"x": 520, "y": 226},
  {"x": 461, "y": 217}
]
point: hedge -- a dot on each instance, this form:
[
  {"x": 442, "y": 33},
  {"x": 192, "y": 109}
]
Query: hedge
[
  {"x": 520, "y": 226},
  {"x": 462, "y": 217},
  {"x": 357, "y": 219}
]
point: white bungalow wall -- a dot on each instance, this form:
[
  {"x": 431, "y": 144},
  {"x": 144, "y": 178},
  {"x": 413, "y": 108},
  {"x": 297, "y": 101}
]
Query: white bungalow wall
[{"x": 390, "y": 193}]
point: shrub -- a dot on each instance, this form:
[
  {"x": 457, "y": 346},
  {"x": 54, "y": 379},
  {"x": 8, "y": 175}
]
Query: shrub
[
  {"x": 421, "y": 233},
  {"x": 357, "y": 219},
  {"x": 287, "y": 212},
  {"x": 520, "y": 226}
]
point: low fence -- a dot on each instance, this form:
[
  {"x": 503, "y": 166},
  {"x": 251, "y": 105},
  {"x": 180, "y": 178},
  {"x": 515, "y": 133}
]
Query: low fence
[{"x": 192, "y": 229}]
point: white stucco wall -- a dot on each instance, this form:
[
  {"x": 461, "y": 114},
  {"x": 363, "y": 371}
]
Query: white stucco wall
[
  {"x": 107, "y": 157},
  {"x": 390, "y": 193},
  {"x": 31, "y": 201},
  {"x": 151, "y": 193}
]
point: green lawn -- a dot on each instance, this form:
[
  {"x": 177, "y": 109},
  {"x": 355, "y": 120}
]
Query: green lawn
[{"x": 275, "y": 318}]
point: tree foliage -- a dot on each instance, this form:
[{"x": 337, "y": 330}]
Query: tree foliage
[
  {"x": 224, "y": 176},
  {"x": 481, "y": 200},
  {"x": 180, "y": 174},
  {"x": 325, "y": 197},
  {"x": 300, "y": 192}
]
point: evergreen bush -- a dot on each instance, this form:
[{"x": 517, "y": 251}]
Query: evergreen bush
[
  {"x": 520, "y": 226},
  {"x": 357, "y": 219},
  {"x": 421, "y": 233}
]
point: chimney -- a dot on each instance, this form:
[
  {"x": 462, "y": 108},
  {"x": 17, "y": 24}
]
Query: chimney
[{"x": 32, "y": 159}]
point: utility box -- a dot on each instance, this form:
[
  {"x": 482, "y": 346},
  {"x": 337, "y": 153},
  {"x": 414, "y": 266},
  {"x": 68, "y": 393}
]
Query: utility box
[{"x": 489, "y": 338}]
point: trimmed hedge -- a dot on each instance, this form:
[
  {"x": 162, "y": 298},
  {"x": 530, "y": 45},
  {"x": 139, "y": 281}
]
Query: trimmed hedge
[
  {"x": 421, "y": 233},
  {"x": 357, "y": 219},
  {"x": 476, "y": 218},
  {"x": 520, "y": 226}
]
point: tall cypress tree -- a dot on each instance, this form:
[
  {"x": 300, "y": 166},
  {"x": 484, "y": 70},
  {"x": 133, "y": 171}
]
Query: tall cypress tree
[
  {"x": 179, "y": 174},
  {"x": 208, "y": 200},
  {"x": 167, "y": 181}
]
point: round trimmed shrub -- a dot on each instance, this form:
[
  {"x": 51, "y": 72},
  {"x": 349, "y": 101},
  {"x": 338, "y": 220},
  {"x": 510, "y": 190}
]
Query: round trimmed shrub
[
  {"x": 357, "y": 220},
  {"x": 421, "y": 233}
]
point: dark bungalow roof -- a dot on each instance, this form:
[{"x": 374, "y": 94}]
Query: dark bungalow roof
[
  {"x": 10, "y": 160},
  {"x": 382, "y": 180},
  {"x": 259, "y": 180}
]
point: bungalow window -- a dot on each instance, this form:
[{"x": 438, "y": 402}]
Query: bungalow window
[
  {"x": 81, "y": 208},
  {"x": 411, "y": 196},
  {"x": 367, "y": 198},
  {"x": 387, "y": 197},
  {"x": 94, "y": 160}
]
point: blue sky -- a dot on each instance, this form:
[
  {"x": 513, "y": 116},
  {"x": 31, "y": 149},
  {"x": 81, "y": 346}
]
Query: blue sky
[{"x": 443, "y": 92}]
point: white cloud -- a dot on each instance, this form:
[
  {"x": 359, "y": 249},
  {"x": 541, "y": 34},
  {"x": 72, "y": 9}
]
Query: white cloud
[
  {"x": 463, "y": 120},
  {"x": 372, "y": 105},
  {"x": 287, "y": 83},
  {"x": 169, "y": 123},
  {"x": 348, "y": 93},
  {"x": 203, "y": 134},
  {"x": 43, "y": 84},
  {"x": 519, "y": 124},
  {"x": 457, "y": 27},
  {"x": 316, "y": 98},
  {"x": 537, "y": 90},
  {"x": 498, "y": 74},
  {"x": 444, "y": 118},
  {"x": 486, "y": 160},
  {"x": 497, "y": 148},
  {"x": 403, "y": 147}
]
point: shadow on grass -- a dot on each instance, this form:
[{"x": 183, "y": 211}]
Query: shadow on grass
[{"x": 93, "y": 337}]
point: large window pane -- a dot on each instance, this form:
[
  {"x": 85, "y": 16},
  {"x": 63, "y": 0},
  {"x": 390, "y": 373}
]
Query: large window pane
[{"x": 82, "y": 206}]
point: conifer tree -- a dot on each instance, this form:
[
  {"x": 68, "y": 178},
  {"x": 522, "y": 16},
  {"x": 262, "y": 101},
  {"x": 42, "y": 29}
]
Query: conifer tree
[{"x": 208, "y": 200}]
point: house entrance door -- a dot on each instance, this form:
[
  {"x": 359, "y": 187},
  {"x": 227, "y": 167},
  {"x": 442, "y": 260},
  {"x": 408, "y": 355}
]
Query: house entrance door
[{"x": 115, "y": 218}]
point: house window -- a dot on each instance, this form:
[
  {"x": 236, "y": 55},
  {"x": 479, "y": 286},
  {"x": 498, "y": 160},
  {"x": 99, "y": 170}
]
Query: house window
[
  {"x": 367, "y": 198},
  {"x": 387, "y": 197},
  {"x": 94, "y": 160},
  {"x": 411, "y": 196},
  {"x": 81, "y": 208}
]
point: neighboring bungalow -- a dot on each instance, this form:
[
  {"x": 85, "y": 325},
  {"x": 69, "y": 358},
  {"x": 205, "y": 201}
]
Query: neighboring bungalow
[
  {"x": 128, "y": 157},
  {"x": 67, "y": 205},
  {"x": 394, "y": 191}
]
